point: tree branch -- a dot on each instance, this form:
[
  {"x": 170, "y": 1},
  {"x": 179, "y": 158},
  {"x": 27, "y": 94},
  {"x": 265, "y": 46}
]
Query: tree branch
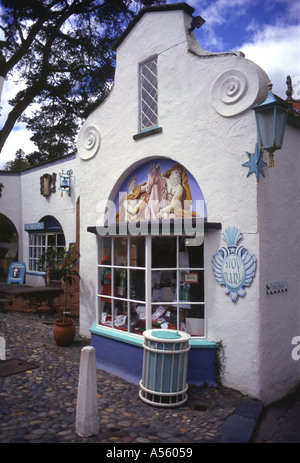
[{"x": 32, "y": 91}]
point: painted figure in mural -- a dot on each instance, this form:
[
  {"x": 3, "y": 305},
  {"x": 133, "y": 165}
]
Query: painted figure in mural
[
  {"x": 154, "y": 187},
  {"x": 162, "y": 196},
  {"x": 131, "y": 204},
  {"x": 172, "y": 196},
  {"x": 177, "y": 198}
]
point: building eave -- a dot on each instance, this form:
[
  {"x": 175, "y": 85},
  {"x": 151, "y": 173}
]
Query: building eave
[{"x": 152, "y": 9}]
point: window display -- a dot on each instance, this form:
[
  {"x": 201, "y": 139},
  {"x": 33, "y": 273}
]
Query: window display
[{"x": 167, "y": 294}]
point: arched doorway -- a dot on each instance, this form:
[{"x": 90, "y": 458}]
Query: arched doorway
[{"x": 8, "y": 244}]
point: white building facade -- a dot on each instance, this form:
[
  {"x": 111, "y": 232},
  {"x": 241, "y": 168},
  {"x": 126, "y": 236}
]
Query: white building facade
[
  {"x": 203, "y": 121},
  {"x": 37, "y": 214},
  {"x": 162, "y": 158}
]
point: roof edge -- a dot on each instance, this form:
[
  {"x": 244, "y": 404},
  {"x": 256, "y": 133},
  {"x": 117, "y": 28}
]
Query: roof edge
[
  {"x": 41, "y": 165},
  {"x": 151, "y": 9}
]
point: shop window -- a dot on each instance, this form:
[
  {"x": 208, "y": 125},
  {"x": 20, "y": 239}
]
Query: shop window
[
  {"x": 150, "y": 282},
  {"x": 39, "y": 243},
  {"x": 148, "y": 95}
]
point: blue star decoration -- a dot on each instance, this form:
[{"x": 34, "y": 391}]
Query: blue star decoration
[{"x": 255, "y": 163}]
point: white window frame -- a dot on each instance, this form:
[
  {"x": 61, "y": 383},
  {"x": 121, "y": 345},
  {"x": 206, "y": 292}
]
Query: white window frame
[
  {"x": 38, "y": 244},
  {"x": 144, "y": 105},
  {"x": 148, "y": 284}
]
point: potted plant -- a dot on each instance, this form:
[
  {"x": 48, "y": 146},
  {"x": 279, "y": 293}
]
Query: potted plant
[
  {"x": 60, "y": 265},
  {"x": 48, "y": 264}
]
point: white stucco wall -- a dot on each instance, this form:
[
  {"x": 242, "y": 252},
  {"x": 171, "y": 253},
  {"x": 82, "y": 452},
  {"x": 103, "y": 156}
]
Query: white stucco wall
[
  {"x": 10, "y": 204},
  {"x": 210, "y": 145},
  {"x": 235, "y": 325},
  {"x": 23, "y": 203},
  {"x": 36, "y": 206},
  {"x": 279, "y": 220}
]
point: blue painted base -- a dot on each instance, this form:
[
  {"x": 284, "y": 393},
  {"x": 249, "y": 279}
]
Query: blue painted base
[
  {"x": 201, "y": 366},
  {"x": 118, "y": 358},
  {"x": 125, "y": 360}
]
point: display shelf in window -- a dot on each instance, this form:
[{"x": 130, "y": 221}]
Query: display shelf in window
[{"x": 167, "y": 292}]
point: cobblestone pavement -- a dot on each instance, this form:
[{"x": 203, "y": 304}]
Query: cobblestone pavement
[{"x": 39, "y": 405}]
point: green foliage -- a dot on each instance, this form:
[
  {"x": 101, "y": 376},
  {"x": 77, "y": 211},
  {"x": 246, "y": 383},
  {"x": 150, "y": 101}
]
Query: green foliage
[
  {"x": 60, "y": 264},
  {"x": 61, "y": 51},
  {"x": 53, "y": 131},
  {"x": 19, "y": 163},
  {"x": 219, "y": 363}
]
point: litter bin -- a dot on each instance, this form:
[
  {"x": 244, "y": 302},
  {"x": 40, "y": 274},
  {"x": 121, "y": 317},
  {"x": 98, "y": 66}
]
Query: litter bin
[{"x": 165, "y": 363}]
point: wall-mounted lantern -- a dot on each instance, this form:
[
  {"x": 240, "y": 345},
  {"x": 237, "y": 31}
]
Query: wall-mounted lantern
[
  {"x": 271, "y": 118},
  {"x": 65, "y": 182}
]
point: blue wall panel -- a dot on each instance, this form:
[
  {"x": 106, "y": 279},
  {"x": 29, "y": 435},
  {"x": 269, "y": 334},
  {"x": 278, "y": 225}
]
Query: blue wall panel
[{"x": 126, "y": 361}]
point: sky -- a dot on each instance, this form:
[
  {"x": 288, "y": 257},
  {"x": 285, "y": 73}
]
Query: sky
[{"x": 266, "y": 31}]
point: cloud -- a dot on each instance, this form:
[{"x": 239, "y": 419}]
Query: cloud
[
  {"x": 267, "y": 31},
  {"x": 222, "y": 17},
  {"x": 20, "y": 136},
  {"x": 18, "y": 139},
  {"x": 276, "y": 50},
  {"x": 222, "y": 11}
]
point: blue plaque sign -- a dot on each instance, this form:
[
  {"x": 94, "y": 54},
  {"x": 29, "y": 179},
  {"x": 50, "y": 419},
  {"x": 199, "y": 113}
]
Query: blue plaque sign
[
  {"x": 16, "y": 273},
  {"x": 233, "y": 266},
  {"x": 34, "y": 226}
]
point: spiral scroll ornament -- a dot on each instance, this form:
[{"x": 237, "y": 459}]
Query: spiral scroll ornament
[
  {"x": 89, "y": 142},
  {"x": 232, "y": 94}
]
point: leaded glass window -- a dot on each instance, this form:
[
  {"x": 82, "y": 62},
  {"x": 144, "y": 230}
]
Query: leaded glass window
[{"x": 148, "y": 95}]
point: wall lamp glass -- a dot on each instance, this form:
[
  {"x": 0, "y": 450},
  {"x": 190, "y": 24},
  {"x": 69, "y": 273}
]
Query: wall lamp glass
[
  {"x": 271, "y": 117},
  {"x": 65, "y": 182}
]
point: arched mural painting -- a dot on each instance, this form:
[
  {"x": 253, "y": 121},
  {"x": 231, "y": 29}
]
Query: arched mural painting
[{"x": 159, "y": 189}]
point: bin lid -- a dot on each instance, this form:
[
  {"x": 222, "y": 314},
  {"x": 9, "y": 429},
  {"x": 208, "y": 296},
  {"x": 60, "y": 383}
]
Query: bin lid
[{"x": 165, "y": 334}]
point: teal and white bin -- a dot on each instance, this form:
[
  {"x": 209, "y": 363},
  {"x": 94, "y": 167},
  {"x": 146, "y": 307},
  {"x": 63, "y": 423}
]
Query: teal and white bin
[{"x": 165, "y": 364}]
